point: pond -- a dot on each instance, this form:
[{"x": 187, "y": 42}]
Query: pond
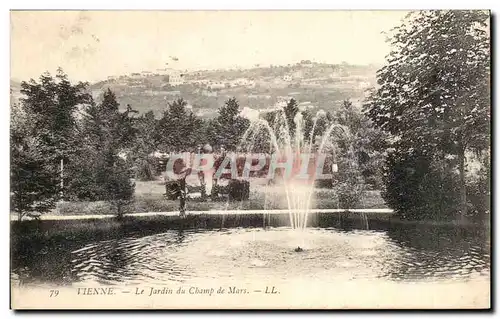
[{"x": 390, "y": 253}]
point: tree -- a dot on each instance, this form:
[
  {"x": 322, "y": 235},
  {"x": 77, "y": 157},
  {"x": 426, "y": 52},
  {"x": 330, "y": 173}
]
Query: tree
[
  {"x": 97, "y": 171},
  {"x": 433, "y": 92},
  {"x": 418, "y": 187},
  {"x": 366, "y": 140},
  {"x": 229, "y": 126},
  {"x": 42, "y": 136},
  {"x": 145, "y": 143},
  {"x": 291, "y": 110},
  {"x": 104, "y": 123},
  {"x": 116, "y": 180},
  {"x": 51, "y": 105},
  {"x": 101, "y": 176},
  {"x": 33, "y": 180},
  {"x": 178, "y": 129}
]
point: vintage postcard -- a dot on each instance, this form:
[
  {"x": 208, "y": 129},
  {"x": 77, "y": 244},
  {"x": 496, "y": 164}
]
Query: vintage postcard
[{"x": 250, "y": 159}]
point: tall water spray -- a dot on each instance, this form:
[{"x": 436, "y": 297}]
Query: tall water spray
[{"x": 283, "y": 141}]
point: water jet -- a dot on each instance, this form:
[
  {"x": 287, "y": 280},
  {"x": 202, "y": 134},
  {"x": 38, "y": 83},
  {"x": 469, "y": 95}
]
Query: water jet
[{"x": 307, "y": 146}]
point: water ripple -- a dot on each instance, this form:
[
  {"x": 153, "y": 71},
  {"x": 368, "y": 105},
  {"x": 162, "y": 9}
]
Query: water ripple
[{"x": 328, "y": 254}]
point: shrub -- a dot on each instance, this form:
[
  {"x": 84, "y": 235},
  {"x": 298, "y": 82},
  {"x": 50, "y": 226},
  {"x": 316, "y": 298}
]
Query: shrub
[
  {"x": 100, "y": 178},
  {"x": 238, "y": 190},
  {"x": 145, "y": 170},
  {"x": 479, "y": 194},
  {"x": 323, "y": 183},
  {"x": 349, "y": 194},
  {"x": 419, "y": 187},
  {"x": 348, "y": 183}
]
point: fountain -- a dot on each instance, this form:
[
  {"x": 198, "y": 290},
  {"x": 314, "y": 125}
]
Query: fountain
[{"x": 300, "y": 144}]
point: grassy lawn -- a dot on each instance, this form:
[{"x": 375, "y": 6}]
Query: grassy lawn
[{"x": 149, "y": 197}]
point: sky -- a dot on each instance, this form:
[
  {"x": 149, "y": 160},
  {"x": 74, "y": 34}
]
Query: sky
[{"x": 91, "y": 45}]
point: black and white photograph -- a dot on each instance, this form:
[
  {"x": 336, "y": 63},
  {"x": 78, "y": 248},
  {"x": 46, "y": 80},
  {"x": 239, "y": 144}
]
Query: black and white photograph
[{"x": 320, "y": 159}]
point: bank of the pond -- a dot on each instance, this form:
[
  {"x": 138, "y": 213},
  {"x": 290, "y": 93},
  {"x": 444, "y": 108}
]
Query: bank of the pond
[
  {"x": 43, "y": 231},
  {"x": 73, "y": 227}
]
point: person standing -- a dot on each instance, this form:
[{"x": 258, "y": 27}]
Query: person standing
[
  {"x": 201, "y": 176},
  {"x": 176, "y": 188},
  {"x": 206, "y": 176}
]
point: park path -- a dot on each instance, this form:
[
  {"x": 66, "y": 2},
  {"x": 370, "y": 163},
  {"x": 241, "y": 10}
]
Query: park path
[{"x": 217, "y": 212}]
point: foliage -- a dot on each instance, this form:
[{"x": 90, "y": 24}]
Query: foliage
[
  {"x": 479, "y": 192},
  {"x": 347, "y": 184},
  {"x": 348, "y": 181},
  {"x": 103, "y": 124},
  {"x": 98, "y": 179},
  {"x": 433, "y": 93},
  {"x": 420, "y": 187},
  {"x": 145, "y": 143},
  {"x": 34, "y": 180},
  {"x": 178, "y": 129},
  {"x": 42, "y": 135},
  {"x": 97, "y": 172},
  {"x": 349, "y": 193},
  {"x": 323, "y": 120},
  {"x": 51, "y": 104},
  {"x": 145, "y": 169},
  {"x": 367, "y": 141},
  {"x": 238, "y": 190},
  {"x": 228, "y": 128},
  {"x": 291, "y": 109}
]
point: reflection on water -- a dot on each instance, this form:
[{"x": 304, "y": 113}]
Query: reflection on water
[
  {"x": 407, "y": 254},
  {"x": 128, "y": 260}
]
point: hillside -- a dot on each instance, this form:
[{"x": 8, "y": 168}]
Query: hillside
[{"x": 313, "y": 85}]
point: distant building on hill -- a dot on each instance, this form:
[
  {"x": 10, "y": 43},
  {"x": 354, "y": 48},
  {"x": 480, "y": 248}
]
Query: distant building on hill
[
  {"x": 173, "y": 77},
  {"x": 242, "y": 82},
  {"x": 216, "y": 85},
  {"x": 299, "y": 74},
  {"x": 306, "y": 63},
  {"x": 135, "y": 75},
  {"x": 209, "y": 93}
]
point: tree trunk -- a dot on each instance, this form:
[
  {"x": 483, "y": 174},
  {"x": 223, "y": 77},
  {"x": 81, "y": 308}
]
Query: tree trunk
[
  {"x": 119, "y": 212},
  {"x": 463, "y": 190}
]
